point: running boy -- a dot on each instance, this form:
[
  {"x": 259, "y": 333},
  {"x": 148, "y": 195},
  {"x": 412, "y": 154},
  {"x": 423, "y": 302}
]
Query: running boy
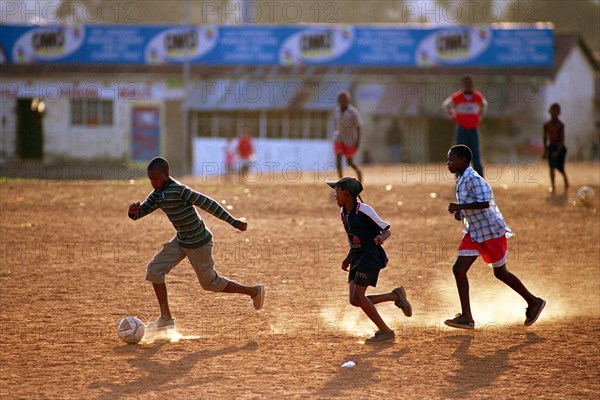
[
  {"x": 366, "y": 233},
  {"x": 554, "y": 144},
  {"x": 193, "y": 240},
  {"x": 486, "y": 235}
]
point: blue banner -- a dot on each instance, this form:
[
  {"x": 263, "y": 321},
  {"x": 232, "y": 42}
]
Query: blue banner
[{"x": 376, "y": 45}]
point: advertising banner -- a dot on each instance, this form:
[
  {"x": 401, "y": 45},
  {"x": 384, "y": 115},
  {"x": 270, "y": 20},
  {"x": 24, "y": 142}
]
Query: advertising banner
[{"x": 348, "y": 45}]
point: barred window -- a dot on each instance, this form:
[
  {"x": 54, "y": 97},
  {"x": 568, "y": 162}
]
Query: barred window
[
  {"x": 91, "y": 112},
  {"x": 272, "y": 124}
]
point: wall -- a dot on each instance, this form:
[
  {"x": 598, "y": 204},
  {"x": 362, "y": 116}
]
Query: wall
[
  {"x": 287, "y": 157},
  {"x": 8, "y": 124},
  {"x": 573, "y": 89}
]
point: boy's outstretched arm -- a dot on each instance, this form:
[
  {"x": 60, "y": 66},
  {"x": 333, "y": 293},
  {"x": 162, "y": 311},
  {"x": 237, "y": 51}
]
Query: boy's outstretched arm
[
  {"x": 211, "y": 206},
  {"x": 133, "y": 208},
  {"x": 241, "y": 225},
  {"x": 137, "y": 210}
]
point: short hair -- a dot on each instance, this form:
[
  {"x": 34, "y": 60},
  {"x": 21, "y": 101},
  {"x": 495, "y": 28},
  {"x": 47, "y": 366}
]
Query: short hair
[
  {"x": 465, "y": 77},
  {"x": 554, "y": 105},
  {"x": 159, "y": 164},
  {"x": 462, "y": 151},
  {"x": 345, "y": 93}
]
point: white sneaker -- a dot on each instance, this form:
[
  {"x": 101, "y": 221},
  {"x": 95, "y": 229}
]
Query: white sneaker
[
  {"x": 161, "y": 324},
  {"x": 259, "y": 299}
]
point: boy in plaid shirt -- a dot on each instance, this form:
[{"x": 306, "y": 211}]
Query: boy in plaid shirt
[{"x": 486, "y": 235}]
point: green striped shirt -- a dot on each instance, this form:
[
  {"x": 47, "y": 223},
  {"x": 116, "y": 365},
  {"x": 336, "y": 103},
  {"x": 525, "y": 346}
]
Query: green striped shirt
[{"x": 177, "y": 201}]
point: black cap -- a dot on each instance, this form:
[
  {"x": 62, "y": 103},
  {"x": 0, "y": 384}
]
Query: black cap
[{"x": 350, "y": 184}]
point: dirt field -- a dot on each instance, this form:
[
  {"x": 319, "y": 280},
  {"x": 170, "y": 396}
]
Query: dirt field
[{"x": 72, "y": 265}]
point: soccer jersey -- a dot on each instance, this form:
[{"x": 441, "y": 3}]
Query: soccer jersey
[
  {"x": 484, "y": 224},
  {"x": 347, "y": 124},
  {"x": 177, "y": 201},
  {"x": 362, "y": 225},
  {"x": 468, "y": 107}
]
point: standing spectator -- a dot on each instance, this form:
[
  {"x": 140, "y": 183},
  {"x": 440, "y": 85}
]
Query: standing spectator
[
  {"x": 229, "y": 151},
  {"x": 466, "y": 107},
  {"x": 245, "y": 150},
  {"x": 346, "y": 137},
  {"x": 554, "y": 145}
]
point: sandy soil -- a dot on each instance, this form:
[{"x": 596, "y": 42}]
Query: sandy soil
[{"x": 72, "y": 265}]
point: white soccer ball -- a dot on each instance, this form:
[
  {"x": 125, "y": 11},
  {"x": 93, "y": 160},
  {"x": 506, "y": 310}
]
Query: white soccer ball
[
  {"x": 131, "y": 330},
  {"x": 585, "y": 195}
]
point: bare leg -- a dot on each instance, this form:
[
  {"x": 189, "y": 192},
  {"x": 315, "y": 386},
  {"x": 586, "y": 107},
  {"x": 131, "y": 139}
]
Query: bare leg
[
  {"x": 460, "y": 269},
  {"x": 566, "y": 180},
  {"x": 515, "y": 284},
  {"x": 552, "y": 179},
  {"x": 160, "y": 289},
  {"x": 353, "y": 165},
  {"x": 234, "y": 287},
  {"x": 338, "y": 163},
  {"x": 358, "y": 299},
  {"x": 382, "y": 298}
]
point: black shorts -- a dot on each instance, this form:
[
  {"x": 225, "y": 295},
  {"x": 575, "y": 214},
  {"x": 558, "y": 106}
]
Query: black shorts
[
  {"x": 363, "y": 276},
  {"x": 557, "y": 161}
]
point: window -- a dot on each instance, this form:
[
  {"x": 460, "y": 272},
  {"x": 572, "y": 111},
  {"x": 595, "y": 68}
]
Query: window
[
  {"x": 227, "y": 124},
  {"x": 204, "y": 124},
  {"x": 276, "y": 124},
  {"x": 250, "y": 122},
  {"x": 91, "y": 112},
  {"x": 296, "y": 122}
]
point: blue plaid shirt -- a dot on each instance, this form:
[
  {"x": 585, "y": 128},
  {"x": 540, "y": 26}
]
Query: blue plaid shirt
[{"x": 484, "y": 224}]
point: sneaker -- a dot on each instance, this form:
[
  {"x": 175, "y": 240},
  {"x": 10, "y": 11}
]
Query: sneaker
[
  {"x": 402, "y": 302},
  {"x": 533, "y": 313},
  {"x": 161, "y": 324},
  {"x": 381, "y": 336},
  {"x": 461, "y": 322},
  {"x": 259, "y": 299}
]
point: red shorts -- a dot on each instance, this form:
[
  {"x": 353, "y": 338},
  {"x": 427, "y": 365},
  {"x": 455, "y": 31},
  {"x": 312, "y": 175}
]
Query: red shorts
[
  {"x": 341, "y": 148},
  {"x": 493, "y": 251}
]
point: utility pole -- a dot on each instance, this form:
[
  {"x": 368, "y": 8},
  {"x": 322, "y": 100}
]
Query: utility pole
[{"x": 187, "y": 139}]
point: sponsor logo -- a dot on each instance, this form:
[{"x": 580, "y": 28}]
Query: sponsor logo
[
  {"x": 453, "y": 46},
  {"x": 316, "y": 45},
  {"x": 180, "y": 44},
  {"x": 47, "y": 43}
]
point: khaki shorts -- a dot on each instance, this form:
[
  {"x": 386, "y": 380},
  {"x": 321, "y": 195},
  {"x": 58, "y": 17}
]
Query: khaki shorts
[{"x": 201, "y": 259}]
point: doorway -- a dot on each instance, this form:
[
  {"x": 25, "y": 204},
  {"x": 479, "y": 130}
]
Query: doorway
[{"x": 30, "y": 142}]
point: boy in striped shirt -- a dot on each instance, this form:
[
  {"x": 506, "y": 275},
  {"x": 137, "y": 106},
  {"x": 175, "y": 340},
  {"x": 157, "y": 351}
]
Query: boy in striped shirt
[
  {"x": 193, "y": 240},
  {"x": 486, "y": 236}
]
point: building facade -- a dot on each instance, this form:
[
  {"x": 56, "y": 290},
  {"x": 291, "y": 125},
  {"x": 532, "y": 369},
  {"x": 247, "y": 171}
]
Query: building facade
[{"x": 130, "y": 113}]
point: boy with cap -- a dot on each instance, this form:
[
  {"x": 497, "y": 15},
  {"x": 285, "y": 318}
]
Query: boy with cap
[{"x": 366, "y": 233}]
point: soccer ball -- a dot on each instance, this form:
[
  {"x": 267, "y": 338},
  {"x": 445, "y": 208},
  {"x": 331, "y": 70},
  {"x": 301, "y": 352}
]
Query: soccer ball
[
  {"x": 131, "y": 330},
  {"x": 585, "y": 195}
]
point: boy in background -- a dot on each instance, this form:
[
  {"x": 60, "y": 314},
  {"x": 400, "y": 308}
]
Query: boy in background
[
  {"x": 554, "y": 145},
  {"x": 346, "y": 137}
]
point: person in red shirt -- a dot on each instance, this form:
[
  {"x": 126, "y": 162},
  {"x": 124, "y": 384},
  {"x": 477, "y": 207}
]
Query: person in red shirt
[
  {"x": 466, "y": 107},
  {"x": 245, "y": 150}
]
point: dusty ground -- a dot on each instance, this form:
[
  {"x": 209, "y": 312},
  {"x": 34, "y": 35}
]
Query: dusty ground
[{"x": 72, "y": 265}]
